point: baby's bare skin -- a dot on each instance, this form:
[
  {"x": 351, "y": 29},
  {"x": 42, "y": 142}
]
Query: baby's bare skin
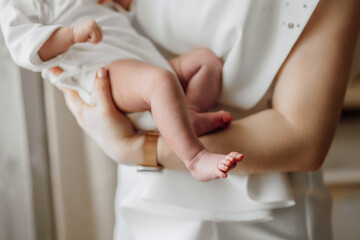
[
  {"x": 63, "y": 38},
  {"x": 179, "y": 103},
  {"x": 126, "y": 4},
  {"x": 200, "y": 74},
  {"x": 138, "y": 86}
]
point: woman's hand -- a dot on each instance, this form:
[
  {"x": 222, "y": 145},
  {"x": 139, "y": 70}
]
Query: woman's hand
[{"x": 104, "y": 123}]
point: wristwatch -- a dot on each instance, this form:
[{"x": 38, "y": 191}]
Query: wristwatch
[{"x": 150, "y": 163}]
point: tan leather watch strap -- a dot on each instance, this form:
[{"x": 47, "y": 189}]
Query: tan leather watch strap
[{"x": 150, "y": 163}]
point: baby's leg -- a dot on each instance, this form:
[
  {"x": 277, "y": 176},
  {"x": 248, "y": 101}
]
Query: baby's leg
[
  {"x": 137, "y": 86},
  {"x": 200, "y": 73}
]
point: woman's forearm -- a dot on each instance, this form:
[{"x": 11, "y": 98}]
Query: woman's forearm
[
  {"x": 296, "y": 133},
  {"x": 267, "y": 140}
]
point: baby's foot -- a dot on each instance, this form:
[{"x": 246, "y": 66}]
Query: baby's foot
[
  {"x": 209, "y": 121},
  {"x": 208, "y": 166},
  {"x": 229, "y": 162}
]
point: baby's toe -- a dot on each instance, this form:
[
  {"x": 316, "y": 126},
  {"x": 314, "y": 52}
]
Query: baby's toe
[
  {"x": 220, "y": 173},
  {"x": 237, "y": 156},
  {"x": 226, "y": 162},
  {"x": 233, "y": 166},
  {"x": 223, "y": 167},
  {"x": 229, "y": 160}
]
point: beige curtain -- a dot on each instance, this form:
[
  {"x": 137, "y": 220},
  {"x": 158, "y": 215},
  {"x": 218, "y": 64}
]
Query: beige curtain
[{"x": 83, "y": 178}]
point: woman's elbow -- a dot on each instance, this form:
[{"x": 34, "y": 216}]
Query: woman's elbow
[
  {"x": 314, "y": 160},
  {"x": 313, "y": 155}
]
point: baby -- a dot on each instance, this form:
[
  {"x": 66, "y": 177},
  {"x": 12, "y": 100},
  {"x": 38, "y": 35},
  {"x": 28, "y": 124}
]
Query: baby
[{"x": 79, "y": 36}]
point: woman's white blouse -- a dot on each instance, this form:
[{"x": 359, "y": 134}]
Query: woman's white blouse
[{"x": 254, "y": 37}]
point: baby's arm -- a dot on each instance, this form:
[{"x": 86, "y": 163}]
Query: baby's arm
[
  {"x": 24, "y": 34},
  {"x": 124, "y": 3},
  {"x": 63, "y": 38}
]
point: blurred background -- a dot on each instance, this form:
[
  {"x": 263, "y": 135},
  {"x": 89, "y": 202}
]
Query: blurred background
[{"x": 56, "y": 184}]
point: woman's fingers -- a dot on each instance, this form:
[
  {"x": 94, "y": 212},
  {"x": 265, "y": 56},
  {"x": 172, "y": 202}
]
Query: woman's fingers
[
  {"x": 102, "y": 89},
  {"x": 72, "y": 98},
  {"x": 102, "y": 92},
  {"x": 56, "y": 70},
  {"x": 74, "y": 102}
]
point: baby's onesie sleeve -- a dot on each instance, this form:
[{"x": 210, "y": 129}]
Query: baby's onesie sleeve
[{"x": 24, "y": 33}]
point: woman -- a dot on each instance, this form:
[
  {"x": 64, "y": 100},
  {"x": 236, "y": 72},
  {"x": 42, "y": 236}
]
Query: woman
[{"x": 292, "y": 135}]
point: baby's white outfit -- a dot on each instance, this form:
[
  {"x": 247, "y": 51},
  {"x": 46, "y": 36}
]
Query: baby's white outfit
[{"x": 27, "y": 24}]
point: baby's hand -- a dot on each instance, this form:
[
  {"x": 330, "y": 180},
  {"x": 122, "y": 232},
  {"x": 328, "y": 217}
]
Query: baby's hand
[
  {"x": 105, "y": 1},
  {"x": 88, "y": 31},
  {"x": 124, "y": 3}
]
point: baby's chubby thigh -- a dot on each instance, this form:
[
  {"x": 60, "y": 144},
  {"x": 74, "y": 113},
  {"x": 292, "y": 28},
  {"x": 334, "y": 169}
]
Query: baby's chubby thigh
[{"x": 134, "y": 84}]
